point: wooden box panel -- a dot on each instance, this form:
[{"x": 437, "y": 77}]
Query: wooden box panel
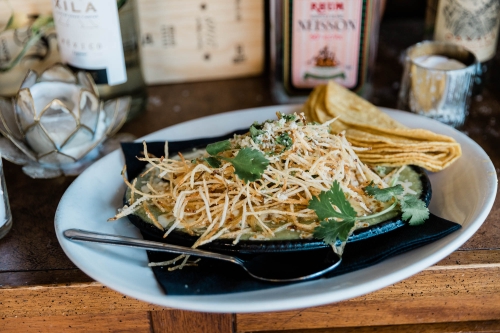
[{"x": 188, "y": 40}]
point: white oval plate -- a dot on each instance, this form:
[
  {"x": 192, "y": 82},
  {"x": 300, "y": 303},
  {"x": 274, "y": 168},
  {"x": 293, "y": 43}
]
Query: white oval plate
[{"x": 463, "y": 193}]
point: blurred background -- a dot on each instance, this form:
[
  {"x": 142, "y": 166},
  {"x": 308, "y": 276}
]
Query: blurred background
[{"x": 184, "y": 42}]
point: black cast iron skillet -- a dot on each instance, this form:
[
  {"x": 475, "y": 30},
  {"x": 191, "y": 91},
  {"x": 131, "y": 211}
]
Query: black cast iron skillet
[{"x": 243, "y": 247}]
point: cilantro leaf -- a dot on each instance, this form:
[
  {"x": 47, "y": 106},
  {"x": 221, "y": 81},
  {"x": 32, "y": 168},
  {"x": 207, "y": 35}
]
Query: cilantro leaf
[
  {"x": 323, "y": 205},
  {"x": 384, "y": 194},
  {"x": 285, "y": 140},
  {"x": 217, "y": 147},
  {"x": 414, "y": 210},
  {"x": 213, "y": 162},
  {"x": 330, "y": 230},
  {"x": 288, "y": 117},
  {"x": 249, "y": 164},
  {"x": 255, "y": 132}
]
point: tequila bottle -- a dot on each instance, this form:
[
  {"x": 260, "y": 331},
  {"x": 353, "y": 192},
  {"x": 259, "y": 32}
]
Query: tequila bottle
[
  {"x": 313, "y": 42},
  {"x": 99, "y": 36}
]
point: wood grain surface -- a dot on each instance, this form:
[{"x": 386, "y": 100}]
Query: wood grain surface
[
  {"x": 474, "y": 326},
  {"x": 429, "y": 297},
  {"x": 190, "y": 40},
  {"x": 136, "y": 322},
  {"x": 190, "y": 322}
]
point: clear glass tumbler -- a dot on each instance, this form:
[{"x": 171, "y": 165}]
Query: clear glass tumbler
[
  {"x": 437, "y": 81},
  {"x": 5, "y": 215}
]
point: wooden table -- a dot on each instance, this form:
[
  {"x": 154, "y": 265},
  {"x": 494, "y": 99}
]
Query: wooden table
[{"x": 41, "y": 289}]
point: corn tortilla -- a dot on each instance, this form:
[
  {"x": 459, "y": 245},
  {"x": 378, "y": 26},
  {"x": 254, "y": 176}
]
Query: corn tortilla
[{"x": 389, "y": 142}]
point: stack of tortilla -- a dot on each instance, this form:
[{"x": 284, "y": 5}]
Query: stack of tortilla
[{"x": 390, "y": 143}]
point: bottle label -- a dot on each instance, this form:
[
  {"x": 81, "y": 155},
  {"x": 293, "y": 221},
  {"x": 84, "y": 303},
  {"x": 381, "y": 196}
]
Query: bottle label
[
  {"x": 472, "y": 24},
  {"x": 89, "y": 38},
  {"x": 327, "y": 42}
]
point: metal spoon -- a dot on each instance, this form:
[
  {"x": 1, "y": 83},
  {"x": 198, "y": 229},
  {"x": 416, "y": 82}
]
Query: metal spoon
[{"x": 271, "y": 267}]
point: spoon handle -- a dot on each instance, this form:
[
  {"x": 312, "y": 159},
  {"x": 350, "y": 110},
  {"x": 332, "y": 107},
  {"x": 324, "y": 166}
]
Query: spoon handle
[{"x": 88, "y": 236}]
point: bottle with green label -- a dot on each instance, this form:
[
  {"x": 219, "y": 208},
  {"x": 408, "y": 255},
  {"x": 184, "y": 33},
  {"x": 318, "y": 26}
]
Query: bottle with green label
[
  {"x": 99, "y": 37},
  {"x": 313, "y": 42}
]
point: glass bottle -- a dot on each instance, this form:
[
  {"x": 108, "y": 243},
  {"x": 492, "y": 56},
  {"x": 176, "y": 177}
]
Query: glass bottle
[
  {"x": 472, "y": 24},
  {"x": 100, "y": 37},
  {"x": 313, "y": 42}
]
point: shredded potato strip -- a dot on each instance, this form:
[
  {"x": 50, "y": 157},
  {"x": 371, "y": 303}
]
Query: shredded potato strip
[{"x": 214, "y": 203}]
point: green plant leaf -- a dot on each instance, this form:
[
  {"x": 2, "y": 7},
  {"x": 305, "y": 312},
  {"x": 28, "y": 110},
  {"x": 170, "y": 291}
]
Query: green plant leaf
[
  {"x": 217, "y": 147},
  {"x": 42, "y": 23},
  {"x": 38, "y": 29},
  {"x": 285, "y": 140},
  {"x": 249, "y": 164},
  {"x": 288, "y": 117},
  {"x": 323, "y": 204},
  {"x": 383, "y": 194},
  {"x": 330, "y": 230},
  {"x": 30, "y": 43},
  {"x": 414, "y": 210},
  {"x": 255, "y": 132},
  {"x": 213, "y": 162},
  {"x": 9, "y": 23}
]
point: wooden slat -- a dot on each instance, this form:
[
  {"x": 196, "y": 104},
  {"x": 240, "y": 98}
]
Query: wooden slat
[
  {"x": 67, "y": 300},
  {"x": 473, "y": 326},
  {"x": 432, "y": 296},
  {"x": 190, "y": 322},
  {"x": 137, "y": 322},
  {"x": 33, "y": 278},
  {"x": 375, "y": 313},
  {"x": 476, "y": 257}
]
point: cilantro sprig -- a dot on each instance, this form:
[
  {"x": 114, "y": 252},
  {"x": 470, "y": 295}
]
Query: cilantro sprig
[
  {"x": 414, "y": 210},
  {"x": 330, "y": 207},
  {"x": 383, "y": 194},
  {"x": 218, "y": 147},
  {"x": 285, "y": 140},
  {"x": 249, "y": 164},
  {"x": 338, "y": 218},
  {"x": 323, "y": 204},
  {"x": 255, "y": 131},
  {"x": 287, "y": 117}
]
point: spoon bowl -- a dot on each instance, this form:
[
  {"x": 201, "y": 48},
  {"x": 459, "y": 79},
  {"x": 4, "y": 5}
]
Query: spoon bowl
[{"x": 270, "y": 267}]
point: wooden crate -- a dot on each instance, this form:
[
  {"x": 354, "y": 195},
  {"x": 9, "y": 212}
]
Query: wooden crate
[{"x": 189, "y": 40}]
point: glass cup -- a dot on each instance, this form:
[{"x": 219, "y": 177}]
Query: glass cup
[
  {"x": 437, "y": 81},
  {"x": 5, "y": 215}
]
